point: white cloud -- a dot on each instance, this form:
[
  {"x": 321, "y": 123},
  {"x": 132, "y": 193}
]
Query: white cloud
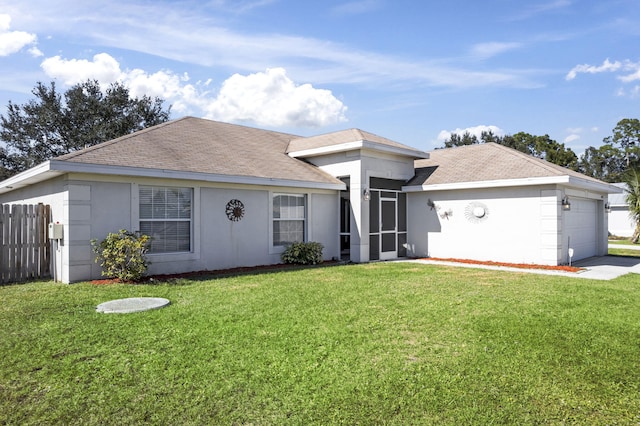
[
  {"x": 356, "y": 7},
  {"x": 106, "y": 70},
  {"x": 185, "y": 98},
  {"x": 266, "y": 98},
  {"x": 239, "y": 7},
  {"x": 633, "y": 92},
  {"x": 537, "y": 9},
  {"x": 634, "y": 67},
  {"x": 271, "y": 98},
  {"x": 571, "y": 138},
  {"x": 606, "y": 66},
  {"x": 13, "y": 41},
  {"x": 575, "y": 133},
  {"x": 35, "y": 52},
  {"x": 188, "y": 35},
  {"x": 630, "y": 69},
  {"x": 474, "y": 131},
  {"x": 487, "y": 50},
  {"x": 103, "y": 68}
]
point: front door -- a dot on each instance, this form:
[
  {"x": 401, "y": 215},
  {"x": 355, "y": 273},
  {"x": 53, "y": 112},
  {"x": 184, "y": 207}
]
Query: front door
[
  {"x": 388, "y": 226},
  {"x": 387, "y": 220}
]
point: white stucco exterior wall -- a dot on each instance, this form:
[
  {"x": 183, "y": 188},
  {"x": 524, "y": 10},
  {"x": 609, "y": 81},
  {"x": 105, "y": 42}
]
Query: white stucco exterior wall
[
  {"x": 75, "y": 248},
  {"x": 620, "y": 224},
  {"x": 521, "y": 225},
  {"x": 92, "y": 206}
]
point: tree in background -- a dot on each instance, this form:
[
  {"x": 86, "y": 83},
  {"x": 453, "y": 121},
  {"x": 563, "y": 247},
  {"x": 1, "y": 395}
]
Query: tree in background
[
  {"x": 632, "y": 181},
  {"x": 626, "y": 136},
  {"x": 462, "y": 140},
  {"x": 47, "y": 127},
  {"x": 538, "y": 146},
  {"x": 606, "y": 163},
  {"x": 619, "y": 153}
]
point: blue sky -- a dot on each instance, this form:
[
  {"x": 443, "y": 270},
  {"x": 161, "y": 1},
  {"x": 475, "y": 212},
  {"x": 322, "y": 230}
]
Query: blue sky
[{"x": 407, "y": 70}]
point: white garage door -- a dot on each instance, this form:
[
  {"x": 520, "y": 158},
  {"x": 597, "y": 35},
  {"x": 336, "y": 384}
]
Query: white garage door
[{"x": 581, "y": 227}]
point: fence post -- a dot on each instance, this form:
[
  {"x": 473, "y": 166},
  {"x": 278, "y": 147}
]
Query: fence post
[{"x": 4, "y": 242}]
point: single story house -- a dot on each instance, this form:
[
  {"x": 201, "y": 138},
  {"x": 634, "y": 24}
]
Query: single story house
[
  {"x": 215, "y": 195},
  {"x": 620, "y": 223}
]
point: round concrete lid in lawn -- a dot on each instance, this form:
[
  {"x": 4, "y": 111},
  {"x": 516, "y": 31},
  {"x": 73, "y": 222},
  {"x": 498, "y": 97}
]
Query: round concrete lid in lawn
[{"x": 132, "y": 304}]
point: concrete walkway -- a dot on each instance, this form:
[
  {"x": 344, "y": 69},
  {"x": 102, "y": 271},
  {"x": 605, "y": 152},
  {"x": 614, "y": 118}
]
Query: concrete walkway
[
  {"x": 595, "y": 268},
  {"x": 625, "y": 246}
]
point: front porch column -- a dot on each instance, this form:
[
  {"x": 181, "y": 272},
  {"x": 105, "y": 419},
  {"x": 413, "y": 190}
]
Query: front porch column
[{"x": 360, "y": 223}]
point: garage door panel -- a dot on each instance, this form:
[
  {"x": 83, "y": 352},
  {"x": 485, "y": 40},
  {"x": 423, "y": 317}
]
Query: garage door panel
[{"x": 581, "y": 224}]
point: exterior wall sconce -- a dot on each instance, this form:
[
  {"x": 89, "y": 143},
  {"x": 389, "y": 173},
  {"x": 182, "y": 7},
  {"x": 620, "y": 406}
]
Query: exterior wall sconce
[
  {"x": 607, "y": 207},
  {"x": 366, "y": 194},
  {"x": 566, "y": 205}
]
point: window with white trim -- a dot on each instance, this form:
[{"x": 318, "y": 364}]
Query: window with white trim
[
  {"x": 166, "y": 216},
  {"x": 289, "y": 218}
]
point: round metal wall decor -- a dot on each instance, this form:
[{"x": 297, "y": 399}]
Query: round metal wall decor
[
  {"x": 235, "y": 210},
  {"x": 476, "y": 212}
]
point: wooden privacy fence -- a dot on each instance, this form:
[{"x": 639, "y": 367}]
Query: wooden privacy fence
[{"x": 25, "y": 251}]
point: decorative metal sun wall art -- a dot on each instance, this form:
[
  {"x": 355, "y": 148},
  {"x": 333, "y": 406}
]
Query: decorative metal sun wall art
[
  {"x": 476, "y": 212},
  {"x": 235, "y": 210}
]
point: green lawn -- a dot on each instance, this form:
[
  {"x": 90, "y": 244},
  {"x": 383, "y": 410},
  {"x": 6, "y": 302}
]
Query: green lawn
[
  {"x": 623, "y": 242},
  {"x": 622, "y": 249},
  {"x": 624, "y": 252},
  {"x": 383, "y": 343}
]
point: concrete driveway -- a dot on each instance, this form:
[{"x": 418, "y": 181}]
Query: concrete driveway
[{"x": 608, "y": 267}]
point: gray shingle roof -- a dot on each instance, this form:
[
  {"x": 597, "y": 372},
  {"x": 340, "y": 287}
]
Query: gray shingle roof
[
  {"x": 204, "y": 146},
  {"x": 484, "y": 162},
  {"x": 342, "y": 137}
]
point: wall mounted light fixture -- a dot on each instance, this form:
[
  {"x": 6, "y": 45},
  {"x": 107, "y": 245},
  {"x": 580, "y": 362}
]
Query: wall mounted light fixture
[
  {"x": 366, "y": 194},
  {"x": 607, "y": 207},
  {"x": 566, "y": 205}
]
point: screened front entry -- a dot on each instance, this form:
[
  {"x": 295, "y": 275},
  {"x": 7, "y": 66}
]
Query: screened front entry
[{"x": 387, "y": 220}]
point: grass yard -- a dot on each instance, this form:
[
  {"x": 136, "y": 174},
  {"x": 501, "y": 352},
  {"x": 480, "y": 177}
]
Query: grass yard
[
  {"x": 622, "y": 242},
  {"x": 383, "y": 343},
  {"x": 624, "y": 252},
  {"x": 622, "y": 249}
]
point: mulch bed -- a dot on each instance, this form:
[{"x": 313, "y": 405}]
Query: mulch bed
[
  {"x": 153, "y": 279},
  {"x": 563, "y": 268},
  {"x": 283, "y": 266}
]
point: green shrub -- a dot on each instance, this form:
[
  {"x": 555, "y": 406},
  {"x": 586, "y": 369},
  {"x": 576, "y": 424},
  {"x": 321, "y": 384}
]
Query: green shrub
[
  {"x": 309, "y": 253},
  {"x": 122, "y": 255}
]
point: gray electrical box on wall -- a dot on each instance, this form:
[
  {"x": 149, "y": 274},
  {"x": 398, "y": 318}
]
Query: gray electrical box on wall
[{"x": 55, "y": 231}]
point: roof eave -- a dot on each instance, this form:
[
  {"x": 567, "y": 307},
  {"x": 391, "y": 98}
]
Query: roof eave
[
  {"x": 566, "y": 180},
  {"x": 39, "y": 173},
  {"x": 54, "y": 168},
  {"x": 591, "y": 185},
  {"x": 356, "y": 145}
]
